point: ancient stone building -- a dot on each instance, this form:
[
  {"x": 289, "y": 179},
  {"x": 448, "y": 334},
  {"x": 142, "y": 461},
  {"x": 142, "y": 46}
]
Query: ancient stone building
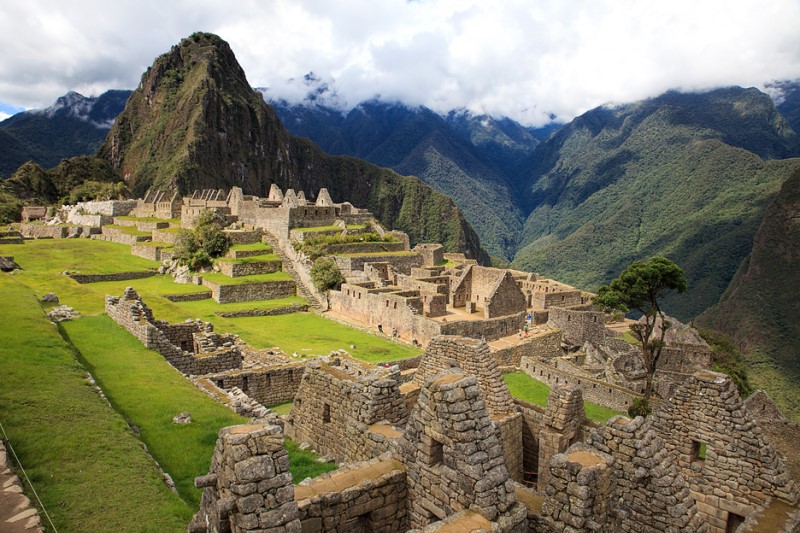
[
  {"x": 344, "y": 408},
  {"x": 730, "y": 467}
]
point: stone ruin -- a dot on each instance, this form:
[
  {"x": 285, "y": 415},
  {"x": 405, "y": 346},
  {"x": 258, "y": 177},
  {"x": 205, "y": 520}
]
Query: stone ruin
[{"x": 431, "y": 454}]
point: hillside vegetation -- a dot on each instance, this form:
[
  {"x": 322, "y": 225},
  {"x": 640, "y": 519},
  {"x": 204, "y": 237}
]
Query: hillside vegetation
[
  {"x": 685, "y": 176},
  {"x": 196, "y": 123},
  {"x": 760, "y": 309}
]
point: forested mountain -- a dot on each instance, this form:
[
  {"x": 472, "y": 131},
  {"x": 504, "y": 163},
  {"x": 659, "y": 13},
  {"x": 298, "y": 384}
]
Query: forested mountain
[
  {"x": 195, "y": 122},
  {"x": 75, "y": 125},
  {"x": 683, "y": 175},
  {"x": 468, "y": 157},
  {"x": 760, "y": 309}
]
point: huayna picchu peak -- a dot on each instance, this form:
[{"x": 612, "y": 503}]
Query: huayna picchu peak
[{"x": 195, "y": 122}]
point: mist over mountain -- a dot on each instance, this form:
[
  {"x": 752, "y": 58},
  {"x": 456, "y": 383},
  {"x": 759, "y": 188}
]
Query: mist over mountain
[{"x": 74, "y": 125}]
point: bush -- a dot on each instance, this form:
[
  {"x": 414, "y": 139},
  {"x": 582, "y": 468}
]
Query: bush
[
  {"x": 186, "y": 245},
  {"x": 325, "y": 274},
  {"x": 639, "y": 407}
]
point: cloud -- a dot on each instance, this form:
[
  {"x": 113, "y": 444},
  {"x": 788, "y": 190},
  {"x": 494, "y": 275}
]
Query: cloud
[
  {"x": 3, "y": 116},
  {"x": 517, "y": 58}
]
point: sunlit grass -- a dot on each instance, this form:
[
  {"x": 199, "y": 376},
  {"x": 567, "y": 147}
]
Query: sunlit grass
[{"x": 524, "y": 387}]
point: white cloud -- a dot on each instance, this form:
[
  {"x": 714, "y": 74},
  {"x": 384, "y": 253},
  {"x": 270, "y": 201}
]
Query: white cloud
[
  {"x": 517, "y": 58},
  {"x": 3, "y": 116}
]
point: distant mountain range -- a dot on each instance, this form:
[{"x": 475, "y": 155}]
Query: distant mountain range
[
  {"x": 686, "y": 175},
  {"x": 75, "y": 125}
]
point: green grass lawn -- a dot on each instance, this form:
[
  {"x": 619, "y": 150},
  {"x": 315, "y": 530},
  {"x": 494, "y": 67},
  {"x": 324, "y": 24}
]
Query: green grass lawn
[
  {"x": 145, "y": 389},
  {"x": 251, "y": 246},
  {"x": 206, "y": 309},
  {"x": 310, "y": 334},
  {"x": 526, "y": 388},
  {"x": 129, "y": 230},
  {"x": 87, "y": 466}
]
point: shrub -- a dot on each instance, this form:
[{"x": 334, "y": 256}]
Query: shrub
[
  {"x": 325, "y": 274},
  {"x": 639, "y": 407}
]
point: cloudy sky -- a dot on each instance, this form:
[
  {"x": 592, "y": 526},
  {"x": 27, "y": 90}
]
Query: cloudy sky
[{"x": 527, "y": 59}]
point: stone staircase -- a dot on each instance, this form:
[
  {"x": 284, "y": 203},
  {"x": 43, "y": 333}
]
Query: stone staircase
[{"x": 318, "y": 301}]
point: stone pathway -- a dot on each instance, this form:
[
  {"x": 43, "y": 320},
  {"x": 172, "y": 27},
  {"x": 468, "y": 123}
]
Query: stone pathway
[{"x": 17, "y": 515}]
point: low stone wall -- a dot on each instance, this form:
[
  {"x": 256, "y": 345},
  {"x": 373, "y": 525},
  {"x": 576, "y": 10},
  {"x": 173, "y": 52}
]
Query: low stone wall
[
  {"x": 189, "y": 297},
  {"x": 148, "y": 251},
  {"x": 364, "y": 247},
  {"x": 243, "y": 237},
  {"x": 403, "y": 263},
  {"x": 373, "y": 498},
  {"x": 267, "y": 386},
  {"x": 285, "y": 310},
  {"x": 17, "y": 512},
  {"x": 117, "y": 276},
  {"x": 110, "y": 208},
  {"x": 168, "y": 237},
  {"x": 594, "y": 390},
  {"x": 542, "y": 345},
  {"x": 235, "y": 270},
  {"x": 38, "y": 231},
  {"x": 130, "y": 312},
  {"x": 404, "y": 364},
  {"x": 246, "y": 292},
  {"x": 117, "y": 235},
  {"x": 490, "y": 328}
]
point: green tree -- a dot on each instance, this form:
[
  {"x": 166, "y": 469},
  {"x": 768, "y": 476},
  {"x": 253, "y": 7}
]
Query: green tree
[
  {"x": 641, "y": 287},
  {"x": 325, "y": 274}
]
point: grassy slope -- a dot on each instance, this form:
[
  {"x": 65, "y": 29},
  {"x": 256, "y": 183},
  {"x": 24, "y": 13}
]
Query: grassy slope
[
  {"x": 89, "y": 469},
  {"x": 145, "y": 389},
  {"x": 526, "y": 388}
]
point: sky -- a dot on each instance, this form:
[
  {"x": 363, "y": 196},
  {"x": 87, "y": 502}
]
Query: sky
[{"x": 530, "y": 60}]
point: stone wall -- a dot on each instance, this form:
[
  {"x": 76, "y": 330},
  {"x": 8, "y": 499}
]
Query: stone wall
[
  {"x": 338, "y": 400},
  {"x": 249, "y": 486},
  {"x": 245, "y": 292},
  {"x": 645, "y": 472},
  {"x": 243, "y": 236},
  {"x": 188, "y": 297},
  {"x": 473, "y": 357},
  {"x": 370, "y": 496},
  {"x": 147, "y": 251},
  {"x": 402, "y": 263},
  {"x": 116, "y": 276},
  {"x": 490, "y": 329},
  {"x": 166, "y": 236},
  {"x": 234, "y": 270},
  {"x": 268, "y": 386},
  {"x": 578, "y": 327},
  {"x": 131, "y": 313},
  {"x": 364, "y": 248},
  {"x": 594, "y": 390},
  {"x": 544, "y": 345},
  {"x": 111, "y": 208},
  {"x": 577, "y": 496},
  {"x": 40, "y": 231},
  {"x": 561, "y": 426},
  {"x": 741, "y": 470},
  {"x": 454, "y": 458}
]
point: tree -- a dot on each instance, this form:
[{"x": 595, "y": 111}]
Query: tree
[
  {"x": 325, "y": 274},
  {"x": 640, "y": 287}
]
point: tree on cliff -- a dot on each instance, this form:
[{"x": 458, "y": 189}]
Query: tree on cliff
[{"x": 640, "y": 287}]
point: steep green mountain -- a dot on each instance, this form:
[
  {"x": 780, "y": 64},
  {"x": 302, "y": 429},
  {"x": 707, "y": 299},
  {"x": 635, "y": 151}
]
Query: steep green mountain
[
  {"x": 195, "y": 122},
  {"x": 683, "y": 175},
  {"x": 788, "y": 101},
  {"x": 760, "y": 309},
  {"x": 465, "y": 156},
  {"x": 75, "y": 125}
]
